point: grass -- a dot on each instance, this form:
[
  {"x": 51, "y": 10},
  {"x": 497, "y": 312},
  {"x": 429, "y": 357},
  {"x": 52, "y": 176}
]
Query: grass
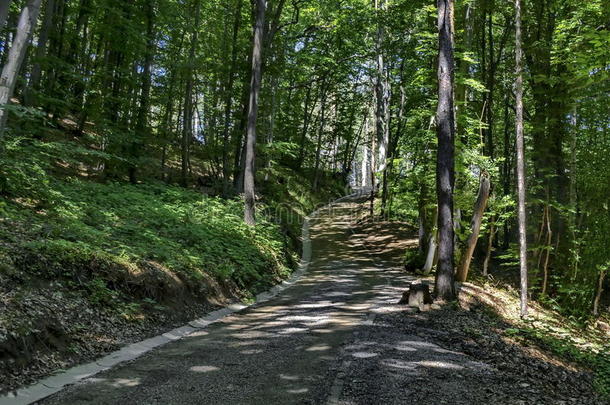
[
  {"x": 143, "y": 240},
  {"x": 98, "y": 230},
  {"x": 549, "y": 329}
]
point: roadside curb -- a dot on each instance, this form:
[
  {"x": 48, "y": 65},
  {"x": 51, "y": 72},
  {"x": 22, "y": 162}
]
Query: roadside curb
[{"x": 57, "y": 382}]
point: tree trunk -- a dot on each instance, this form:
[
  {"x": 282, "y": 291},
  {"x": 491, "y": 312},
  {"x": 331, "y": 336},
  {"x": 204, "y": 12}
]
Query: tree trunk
[
  {"x": 432, "y": 252},
  {"x": 600, "y": 290},
  {"x": 255, "y": 85},
  {"x": 4, "y": 9},
  {"x": 229, "y": 100},
  {"x": 142, "y": 128},
  {"x": 382, "y": 92},
  {"x": 306, "y": 118},
  {"x": 520, "y": 159},
  {"x": 445, "y": 168},
  {"x": 41, "y": 52},
  {"x": 475, "y": 227},
  {"x": 372, "y": 174},
  {"x": 387, "y": 172},
  {"x": 319, "y": 140},
  {"x": 8, "y": 79},
  {"x": 507, "y": 172},
  {"x": 187, "y": 129},
  {"x": 490, "y": 241}
]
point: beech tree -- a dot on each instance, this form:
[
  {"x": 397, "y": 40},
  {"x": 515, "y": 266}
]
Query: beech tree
[
  {"x": 16, "y": 55},
  {"x": 256, "y": 78},
  {"x": 520, "y": 160},
  {"x": 445, "y": 165},
  {"x": 4, "y": 8}
]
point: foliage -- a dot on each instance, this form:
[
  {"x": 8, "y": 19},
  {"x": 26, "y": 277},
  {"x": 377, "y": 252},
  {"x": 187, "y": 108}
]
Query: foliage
[{"x": 86, "y": 231}]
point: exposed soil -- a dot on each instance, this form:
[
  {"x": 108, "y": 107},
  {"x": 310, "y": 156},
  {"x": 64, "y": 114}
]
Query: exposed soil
[
  {"x": 339, "y": 337},
  {"x": 46, "y": 329}
]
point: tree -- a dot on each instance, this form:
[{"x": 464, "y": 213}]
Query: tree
[
  {"x": 445, "y": 170},
  {"x": 142, "y": 130},
  {"x": 475, "y": 227},
  {"x": 255, "y": 85},
  {"x": 10, "y": 71},
  {"x": 382, "y": 94},
  {"x": 4, "y": 8},
  {"x": 520, "y": 160},
  {"x": 187, "y": 129}
]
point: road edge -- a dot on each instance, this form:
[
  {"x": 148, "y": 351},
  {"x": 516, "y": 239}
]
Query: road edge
[{"x": 55, "y": 383}]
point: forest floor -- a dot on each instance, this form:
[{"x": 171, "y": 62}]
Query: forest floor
[{"x": 339, "y": 337}]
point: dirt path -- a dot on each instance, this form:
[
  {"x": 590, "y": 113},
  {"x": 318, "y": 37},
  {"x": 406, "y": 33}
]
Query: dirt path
[{"x": 336, "y": 337}]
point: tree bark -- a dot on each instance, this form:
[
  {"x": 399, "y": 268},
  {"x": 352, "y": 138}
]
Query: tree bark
[
  {"x": 142, "y": 128},
  {"x": 475, "y": 226},
  {"x": 229, "y": 100},
  {"x": 432, "y": 252},
  {"x": 8, "y": 78},
  {"x": 306, "y": 118},
  {"x": 4, "y": 9},
  {"x": 255, "y": 85},
  {"x": 490, "y": 246},
  {"x": 322, "y": 124},
  {"x": 520, "y": 160},
  {"x": 187, "y": 130},
  {"x": 445, "y": 167},
  {"x": 600, "y": 290},
  {"x": 41, "y": 52},
  {"x": 382, "y": 92}
]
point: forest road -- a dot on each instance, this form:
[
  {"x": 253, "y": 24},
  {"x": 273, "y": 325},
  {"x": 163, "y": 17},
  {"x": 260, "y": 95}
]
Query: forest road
[{"x": 316, "y": 343}]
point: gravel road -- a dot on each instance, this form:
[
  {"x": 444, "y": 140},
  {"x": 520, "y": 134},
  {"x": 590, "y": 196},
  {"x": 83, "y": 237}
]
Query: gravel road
[{"x": 335, "y": 337}]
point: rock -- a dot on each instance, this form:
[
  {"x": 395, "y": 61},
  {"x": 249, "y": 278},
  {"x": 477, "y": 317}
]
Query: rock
[
  {"x": 424, "y": 307},
  {"x": 435, "y": 306}
]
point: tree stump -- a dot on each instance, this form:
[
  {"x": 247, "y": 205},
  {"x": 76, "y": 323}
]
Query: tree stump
[{"x": 418, "y": 296}]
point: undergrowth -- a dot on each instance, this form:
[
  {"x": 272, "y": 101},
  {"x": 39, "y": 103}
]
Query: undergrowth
[{"x": 147, "y": 238}]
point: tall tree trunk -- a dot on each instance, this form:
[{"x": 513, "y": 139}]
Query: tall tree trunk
[
  {"x": 306, "y": 118},
  {"x": 461, "y": 88},
  {"x": 507, "y": 172},
  {"x": 445, "y": 166},
  {"x": 255, "y": 85},
  {"x": 41, "y": 52},
  {"x": 271, "y": 130},
  {"x": 229, "y": 100},
  {"x": 391, "y": 153},
  {"x": 322, "y": 124},
  {"x": 490, "y": 246},
  {"x": 520, "y": 159},
  {"x": 432, "y": 251},
  {"x": 372, "y": 173},
  {"x": 5, "y": 5},
  {"x": 600, "y": 289},
  {"x": 8, "y": 79},
  {"x": 142, "y": 128},
  {"x": 382, "y": 92},
  {"x": 187, "y": 129},
  {"x": 475, "y": 227}
]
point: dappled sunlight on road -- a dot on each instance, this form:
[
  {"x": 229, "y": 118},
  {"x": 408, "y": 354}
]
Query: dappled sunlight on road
[{"x": 286, "y": 349}]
